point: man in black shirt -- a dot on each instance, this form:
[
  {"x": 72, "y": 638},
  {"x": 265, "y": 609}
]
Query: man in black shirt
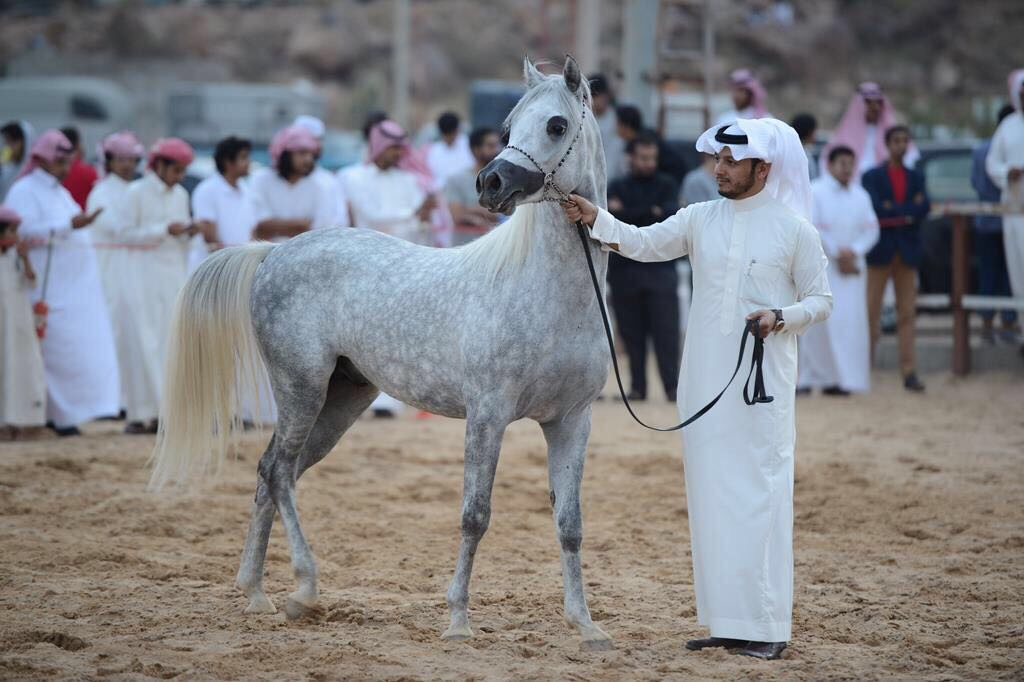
[{"x": 644, "y": 295}]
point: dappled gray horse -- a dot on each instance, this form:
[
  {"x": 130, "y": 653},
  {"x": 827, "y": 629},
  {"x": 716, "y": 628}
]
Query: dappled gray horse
[{"x": 502, "y": 329}]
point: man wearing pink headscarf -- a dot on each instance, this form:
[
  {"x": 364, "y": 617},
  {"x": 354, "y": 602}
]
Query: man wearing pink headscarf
[
  {"x": 748, "y": 97},
  {"x": 78, "y": 347},
  {"x": 22, "y": 379},
  {"x": 121, "y": 155},
  {"x": 287, "y": 199},
  {"x": 1005, "y": 166},
  {"x": 156, "y": 236},
  {"x": 391, "y": 192},
  {"x": 862, "y": 129}
]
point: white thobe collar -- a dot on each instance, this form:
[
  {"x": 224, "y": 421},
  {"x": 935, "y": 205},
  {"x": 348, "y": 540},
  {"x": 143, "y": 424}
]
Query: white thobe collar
[
  {"x": 157, "y": 184},
  {"x": 759, "y": 200},
  {"x": 834, "y": 184},
  {"x": 47, "y": 179}
]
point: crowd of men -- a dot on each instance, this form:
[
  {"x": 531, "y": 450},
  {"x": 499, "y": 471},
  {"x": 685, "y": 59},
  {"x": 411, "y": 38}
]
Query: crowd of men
[
  {"x": 869, "y": 206},
  {"x": 91, "y": 262}
]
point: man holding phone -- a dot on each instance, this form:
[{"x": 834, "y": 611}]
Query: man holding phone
[{"x": 157, "y": 233}]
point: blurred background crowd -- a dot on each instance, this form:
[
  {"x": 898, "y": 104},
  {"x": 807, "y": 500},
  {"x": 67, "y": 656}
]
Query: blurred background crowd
[{"x": 139, "y": 136}]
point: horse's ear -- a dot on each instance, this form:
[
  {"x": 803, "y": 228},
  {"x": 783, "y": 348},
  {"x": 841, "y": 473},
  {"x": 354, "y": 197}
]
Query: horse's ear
[
  {"x": 571, "y": 73},
  {"x": 530, "y": 73}
]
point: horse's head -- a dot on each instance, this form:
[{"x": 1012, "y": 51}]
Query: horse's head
[{"x": 542, "y": 126}]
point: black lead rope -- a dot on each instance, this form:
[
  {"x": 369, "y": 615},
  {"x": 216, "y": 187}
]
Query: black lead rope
[{"x": 756, "y": 359}]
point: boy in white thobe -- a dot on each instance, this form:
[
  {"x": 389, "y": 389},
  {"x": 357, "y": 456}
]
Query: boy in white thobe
[
  {"x": 1005, "y": 166},
  {"x": 78, "y": 346},
  {"x": 755, "y": 255},
  {"x": 158, "y": 228},
  {"x": 836, "y": 356},
  {"x": 22, "y": 381}
]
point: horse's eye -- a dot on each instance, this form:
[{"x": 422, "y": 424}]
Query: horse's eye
[
  {"x": 505, "y": 133},
  {"x": 557, "y": 126}
]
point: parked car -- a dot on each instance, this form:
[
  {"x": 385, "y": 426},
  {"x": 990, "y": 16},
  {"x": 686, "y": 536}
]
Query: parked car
[{"x": 947, "y": 174}]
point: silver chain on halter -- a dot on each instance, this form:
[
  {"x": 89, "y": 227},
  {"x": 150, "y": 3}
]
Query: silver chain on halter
[{"x": 549, "y": 177}]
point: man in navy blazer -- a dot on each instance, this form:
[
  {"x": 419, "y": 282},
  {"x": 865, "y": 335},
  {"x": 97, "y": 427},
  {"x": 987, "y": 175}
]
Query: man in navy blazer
[{"x": 901, "y": 204}]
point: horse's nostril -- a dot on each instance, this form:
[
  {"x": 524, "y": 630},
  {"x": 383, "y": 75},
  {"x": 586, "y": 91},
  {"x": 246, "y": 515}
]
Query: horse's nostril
[
  {"x": 479, "y": 183},
  {"x": 492, "y": 182}
]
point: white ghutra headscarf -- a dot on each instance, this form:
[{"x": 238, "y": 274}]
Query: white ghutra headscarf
[{"x": 774, "y": 142}]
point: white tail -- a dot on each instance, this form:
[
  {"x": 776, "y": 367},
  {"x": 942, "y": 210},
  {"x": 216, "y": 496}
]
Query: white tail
[{"x": 212, "y": 361}]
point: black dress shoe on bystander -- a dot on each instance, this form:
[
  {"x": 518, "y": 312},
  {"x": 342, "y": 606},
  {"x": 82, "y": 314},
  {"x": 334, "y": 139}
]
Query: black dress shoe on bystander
[
  {"x": 712, "y": 642},
  {"x": 768, "y": 651}
]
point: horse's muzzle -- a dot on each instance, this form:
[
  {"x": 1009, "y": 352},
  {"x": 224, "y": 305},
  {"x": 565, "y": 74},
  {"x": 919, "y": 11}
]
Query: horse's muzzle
[{"x": 501, "y": 182}]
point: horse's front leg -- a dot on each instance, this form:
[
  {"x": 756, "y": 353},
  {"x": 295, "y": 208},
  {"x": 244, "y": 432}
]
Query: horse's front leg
[
  {"x": 567, "y": 450},
  {"x": 483, "y": 444}
]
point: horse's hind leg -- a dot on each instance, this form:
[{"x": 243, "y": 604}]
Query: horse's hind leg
[
  {"x": 567, "y": 449},
  {"x": 345, "y": 400}
]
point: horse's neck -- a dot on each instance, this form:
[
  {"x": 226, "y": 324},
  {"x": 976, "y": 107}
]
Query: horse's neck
[{"x": 557, "y": 242}]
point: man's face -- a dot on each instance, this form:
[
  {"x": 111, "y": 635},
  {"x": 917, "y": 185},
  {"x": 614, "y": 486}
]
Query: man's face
[
  {"x": 124, "y": 167},
  {"x": 897, "y": 145},
  {"x": 599, "y": 103},
  {"x": 644, "y": 160},
  {"x": 303, "y": 162},
  {"x": 741, "y": 97},
  {"x": 16, "y": 148},
  {"x": 170, "y": 172},
  {"x": 390, "y": 156},
  {"x": 625, "y": 132},
  {"x": 57, "y": 168},
  {"x": 239, "y": 167},
  {"x": 872, "y": 110},
  {"x": 841, "y": 168},
  {"x": 487, "y": 150},
  {"x": 735, "y": 178}
]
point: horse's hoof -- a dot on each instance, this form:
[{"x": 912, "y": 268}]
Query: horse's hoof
[
  {"x": 259, "y": 603},
  {"x": 457, "y": 633},
  {"x": 297, "y": 610},
  {"x": 596, "y": 639}
]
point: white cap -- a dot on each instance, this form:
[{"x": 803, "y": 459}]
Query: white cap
[{"x": 312, "y": 124}]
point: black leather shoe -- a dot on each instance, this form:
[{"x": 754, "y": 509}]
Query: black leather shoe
[
  {"x": 67, "y": 431},
  {"x": 912, "y": 383},
  {"x": 835, "y": 391},
  {"x": 768, "y": 651},
  {"x": 712, "y": 642}
]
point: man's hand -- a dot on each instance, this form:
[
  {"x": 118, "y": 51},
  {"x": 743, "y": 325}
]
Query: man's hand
[
  {"x": 208, "y": 229},
  {"x": 766, "y": 321},
  {"x": 1014, "y": 174},
  {"x": 176, "y": 229},
  {"x": 579, "y": 209},
  {"x": 847, "y": 261},
  {"x": 428, "y": 205},
  {"x": 614, "y": 204},
  {"x": 656, "y": 211},
  {"x": 85, "y": 219}
]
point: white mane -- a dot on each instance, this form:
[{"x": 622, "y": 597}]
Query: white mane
[{"x": 507, "y": 245}]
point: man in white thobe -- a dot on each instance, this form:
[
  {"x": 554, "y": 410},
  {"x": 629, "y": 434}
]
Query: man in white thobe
[
  {"x": 748, "y": 97},
  {"x": 1005, "y": 166},
  {"x": 602, "y": 103},
  {"x": 286, "y": 199},
  {"x": 158, "y": 228},
  {"x": 327, "y": 180},
  {"x": 450, "y": 154},
  {"x": 384, "y": 193},
  {"x": 755, "y": 255},
  {"x": 22, "y": 378},
  {"x": 836, "y": 356},
  {"x": 78, "y": 346},
  {"x": 222, "y": 201},
  {"x": 121, "y": 154}
]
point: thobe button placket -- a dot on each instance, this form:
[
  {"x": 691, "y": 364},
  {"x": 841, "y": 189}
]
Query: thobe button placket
[{"x": 732, "y": 274}]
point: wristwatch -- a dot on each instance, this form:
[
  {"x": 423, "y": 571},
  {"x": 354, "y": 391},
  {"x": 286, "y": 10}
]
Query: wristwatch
[{"x": 779, "y": 322}]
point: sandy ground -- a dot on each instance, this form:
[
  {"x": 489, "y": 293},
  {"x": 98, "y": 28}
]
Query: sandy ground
[{"x": 909, "y": 553}]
